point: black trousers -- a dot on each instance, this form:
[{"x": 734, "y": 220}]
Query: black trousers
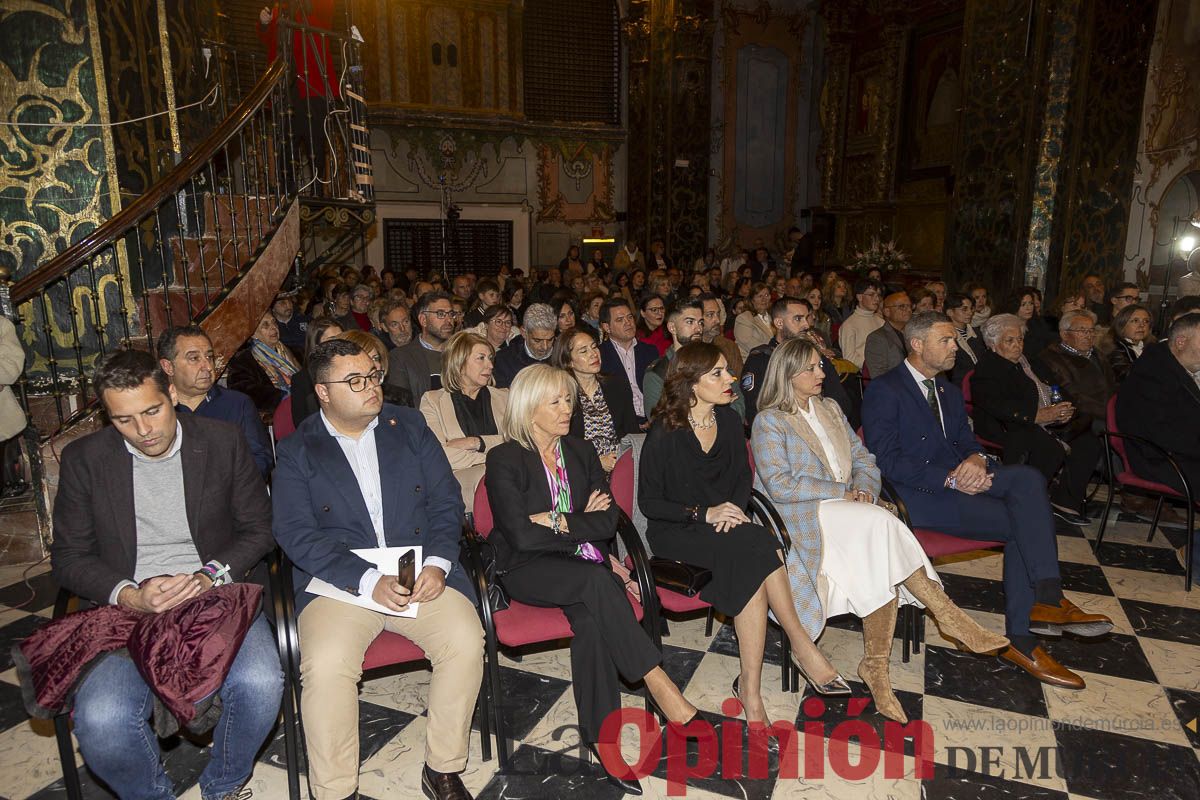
[
  {"x": 1042, "y": 451},
  {"x": 608, "y": 640}
]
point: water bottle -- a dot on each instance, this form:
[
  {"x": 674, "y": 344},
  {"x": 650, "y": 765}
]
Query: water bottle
[{"x": 1055, "y": 395}]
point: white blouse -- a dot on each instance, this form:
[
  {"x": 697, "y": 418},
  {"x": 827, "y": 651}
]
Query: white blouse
[{"x": 835, "y": 464}]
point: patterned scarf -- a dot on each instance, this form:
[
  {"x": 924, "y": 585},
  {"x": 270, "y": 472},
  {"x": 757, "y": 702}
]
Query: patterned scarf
[
  {"x": 1042, "y": 389},
  {"x": 278, "y": 364},
  {"x": 560, "y": 498}
]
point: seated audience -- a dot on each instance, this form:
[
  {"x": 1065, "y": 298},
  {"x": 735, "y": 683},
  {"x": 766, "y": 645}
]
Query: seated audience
[
  {"x": 263, "y": 368},
  {"x": 487, "y": 294},
  {"x": 555, "y": 522},
  {"x": 835, "y": 296},
  {"x": 884, "y": 348},
  {"x": 467, "y": 414},
  {"x": 1039, "y": 334},
  {"x": 304, "y": 395},
  {"x": 850, "y": 556},
  {"x": 1012, "y": 407},
  {"x": 417, "y": 366},
  {"x": 538, "y": 332},
  {"x": 938, "y": 289},
  {"x": 186, "y": 357},
  {"x": 685, "y": 323},
  {"x": 916, "y": 425},
  {"x": 497, "y": 327},
  {"x": 396, "y": 321},
  {"x": 1093, "y": 291},
  {"x": 603, "y": 412},
  {"x": 652, "y": 311},
  {"x": 377, "y": 350},
  {"x": 693, "y": 488},
  {"x": 621, "y": 353},
  {"x": 822, "y": 321},
  {"x": 292, "y": 323},
  {"x": 791, "y": 319},
  {"x": 1127, "y": 339},
  {"x": 360, "y": 304},
  {"x": 406, "y": 494},
  {"x": 1160, "y": 401},
  {"x": 1080, "y": 372},
  {"x": 979, "y": 296},
  {"x": 1121, "y": 296},
  {"x": 852, "y": 335},
  {"x": 338, "y": 305},
  {"x": 922, "y": 300},
  {"x": 130, "y": 530},
  {"x": 752, "y": 327},
  {"x": 960, "y": 308},
  {"x": 714, "y": 332}
]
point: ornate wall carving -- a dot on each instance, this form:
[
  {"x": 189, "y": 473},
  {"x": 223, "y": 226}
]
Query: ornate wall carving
[
  {"x": 670, "y": 49},
  {"x": 575, "y": 183}
]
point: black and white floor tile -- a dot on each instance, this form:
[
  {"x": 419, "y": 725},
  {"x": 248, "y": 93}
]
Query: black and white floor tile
[{"x": 990, "y": 730}]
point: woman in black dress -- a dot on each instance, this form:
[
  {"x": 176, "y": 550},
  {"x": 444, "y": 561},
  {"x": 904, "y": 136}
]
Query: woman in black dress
[
  {"x": 603, "y": 412},
  {"x": 694, "y": 486},
  {"x": 554, "y": 526}
]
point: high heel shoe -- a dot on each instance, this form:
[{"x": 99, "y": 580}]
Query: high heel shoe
[
  {"x": 630, "y": 786},
  {"x": 837, "y": 687}
]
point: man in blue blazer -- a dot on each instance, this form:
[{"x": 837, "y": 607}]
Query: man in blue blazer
[
  {"x": 363, "y": 474},
  {"x": 622, "y": 354},
  {"x": 916, "y": 425}
]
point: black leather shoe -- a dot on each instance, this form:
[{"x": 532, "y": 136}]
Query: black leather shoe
[
  {"x": 630, "y": 786},
  {"x": 443, "y": 785}
]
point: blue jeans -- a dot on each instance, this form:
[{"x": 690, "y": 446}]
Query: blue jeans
[{"x": 113, "y": 708}]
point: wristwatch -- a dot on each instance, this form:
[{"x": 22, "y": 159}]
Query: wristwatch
[{"x": 482, "y": 446}]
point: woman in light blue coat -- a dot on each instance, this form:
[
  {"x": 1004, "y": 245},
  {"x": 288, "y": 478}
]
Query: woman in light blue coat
[{"x": 849, "y": 555}]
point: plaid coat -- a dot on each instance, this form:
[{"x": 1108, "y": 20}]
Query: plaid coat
[{"x": 793, "y": 471}]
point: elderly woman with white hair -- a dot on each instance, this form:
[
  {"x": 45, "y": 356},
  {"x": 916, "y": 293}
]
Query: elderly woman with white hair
[
  {"x": 849, "y": 554},
  {"x": 555, "y": 522},
  {"x": 1012, "y": 406}
]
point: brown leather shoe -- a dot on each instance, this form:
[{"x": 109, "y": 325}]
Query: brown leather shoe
[
  {"x": 1043, "y": 667},
  {"x": 443, "y": 785},
  {"x": 1048, "y": 620}
]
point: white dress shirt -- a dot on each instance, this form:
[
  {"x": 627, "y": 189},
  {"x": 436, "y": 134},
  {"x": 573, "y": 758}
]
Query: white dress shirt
[
  {"x": 364, "y": 463},
  {"x": 814, "y": 422},
  {"x": 920, "y": 379}
]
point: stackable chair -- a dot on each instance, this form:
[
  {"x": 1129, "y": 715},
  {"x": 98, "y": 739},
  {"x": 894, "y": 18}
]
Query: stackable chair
[{"x": 992, "y": 447}]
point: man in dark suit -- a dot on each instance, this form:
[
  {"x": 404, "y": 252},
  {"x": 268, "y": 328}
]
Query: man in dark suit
[
  {"x": 916, "y": 425},
  {"x": 417, "y": 366},
  {"x": 361, "y": 474},
  {"x": 539, "y": 329},
  {"x": 150, "y": 513},
  {"x": 1160, "y": 401},
  {"x": 621, "y": 353}
]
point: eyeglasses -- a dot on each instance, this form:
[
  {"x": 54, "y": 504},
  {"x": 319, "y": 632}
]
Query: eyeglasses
[
  {"x": 440, "y": 314},
  {"x": 1127, "y": 298},
  {"x": 655, "y": 309},
  {"x": 359, "y": 383},
  {"x": 1083, "y": 331}
]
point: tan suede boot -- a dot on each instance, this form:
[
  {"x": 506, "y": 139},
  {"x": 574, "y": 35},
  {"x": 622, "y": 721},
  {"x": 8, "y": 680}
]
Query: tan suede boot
[
  {"x": 953, "y": 622},
  {"x": 878, "y": 629}
]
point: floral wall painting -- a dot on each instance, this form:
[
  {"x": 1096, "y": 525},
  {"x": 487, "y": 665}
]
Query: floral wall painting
[{"x": 933, "y": 95}]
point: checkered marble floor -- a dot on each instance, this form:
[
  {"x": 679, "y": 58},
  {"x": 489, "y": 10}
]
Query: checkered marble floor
[{"x": 996, "y": 732}]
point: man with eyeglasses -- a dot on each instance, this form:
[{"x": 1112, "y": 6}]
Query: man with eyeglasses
[
  {"x": 1077, "y": 368},
  {"x": 852, "y": 336},
  {"x": 538, "y": 331},
  {"x": 885, "y": 347},
  {"x": 417, "y": 366},
  {"x": 364, "y": 474},
  {"x": 1123, "y": 294}
]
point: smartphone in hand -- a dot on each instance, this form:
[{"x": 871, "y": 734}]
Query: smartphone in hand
[{"x": 407, "y": 570}]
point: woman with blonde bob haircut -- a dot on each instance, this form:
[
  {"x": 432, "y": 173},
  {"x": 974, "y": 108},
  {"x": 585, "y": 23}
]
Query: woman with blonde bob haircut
[
  {"x": 468, "y": 413},
  {"x": 849, "y": 555},
  {"x": 555, "y": 522}
]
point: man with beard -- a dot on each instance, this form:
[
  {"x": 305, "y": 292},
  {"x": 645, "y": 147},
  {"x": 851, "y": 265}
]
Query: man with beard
[
  {"x": 714, "y": 334},
  {"x": 417, "y": 366},
  {"x": 538, "y": 331},
  {"x": 685, "y": 322}
]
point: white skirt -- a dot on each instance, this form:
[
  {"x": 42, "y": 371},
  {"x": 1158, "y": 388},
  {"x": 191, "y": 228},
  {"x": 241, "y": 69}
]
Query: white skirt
[{"x": 867, "y": 553}]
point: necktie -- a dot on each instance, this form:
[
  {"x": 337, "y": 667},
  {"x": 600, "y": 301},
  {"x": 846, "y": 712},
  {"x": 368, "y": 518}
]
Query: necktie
[{"x": 931, "y": 396}]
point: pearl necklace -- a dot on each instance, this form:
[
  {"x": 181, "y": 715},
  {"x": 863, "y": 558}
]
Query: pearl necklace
[{"x": 708, "y": 423}]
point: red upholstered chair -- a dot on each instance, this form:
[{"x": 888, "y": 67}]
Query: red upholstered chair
[
  {"x": 992, "y": 447},
  {"x": 281, "y": 420},
  {"x": 1120, "y": 473},
  {"x": 389, "y": 651},
  {"x": 936, "y": 545},
  {"x": 521, "y": 624}
]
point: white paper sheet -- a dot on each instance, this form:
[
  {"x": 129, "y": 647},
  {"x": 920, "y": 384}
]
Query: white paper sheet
[{"x": 385, "y": 560}]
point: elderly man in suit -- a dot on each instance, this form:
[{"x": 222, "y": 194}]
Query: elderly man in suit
[
  {"x": 916, "y": 425},
  {"x": 361, "y": 474},
  {"x": 1077, "y": 367},
  {"x": 417, "y": 366},
  {"x": 621, "y": 353},
  {"x": 150, "y": 513},
  {"x": 1160, "y": 401},
  {"x": 885, "y": 346}
]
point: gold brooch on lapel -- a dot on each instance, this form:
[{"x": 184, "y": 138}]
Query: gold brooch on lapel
[{"x": 392, "y": 422}]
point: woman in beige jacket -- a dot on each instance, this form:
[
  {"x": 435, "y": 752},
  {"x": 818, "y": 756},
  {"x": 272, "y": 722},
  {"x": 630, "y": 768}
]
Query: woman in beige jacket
[{"x": 467, "y": 413}]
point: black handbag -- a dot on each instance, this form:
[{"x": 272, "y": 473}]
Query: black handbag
[
  {"x": 679, "y": 577},
  {"x": 497, "y": 597}
]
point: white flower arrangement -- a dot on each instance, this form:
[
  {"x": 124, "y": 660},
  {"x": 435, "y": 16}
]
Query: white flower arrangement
[{"x": 884, "y": 256}]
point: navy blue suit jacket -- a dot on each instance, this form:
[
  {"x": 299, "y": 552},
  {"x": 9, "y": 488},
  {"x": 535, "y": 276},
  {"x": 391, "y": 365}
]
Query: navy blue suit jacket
[
  {"x": 909, "y": 446},
  {"x": 320, "y": 514},
  {"x": 643, "y": 356}
]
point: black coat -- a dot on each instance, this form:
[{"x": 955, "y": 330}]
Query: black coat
[
  {"x": 1003, "y": 397},
  {"x": 246, "y": 376},
  {"x": 619, "y": 398},
  {"x": 517, "y": 489},
  {"x": 1160, "y": 401}
]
